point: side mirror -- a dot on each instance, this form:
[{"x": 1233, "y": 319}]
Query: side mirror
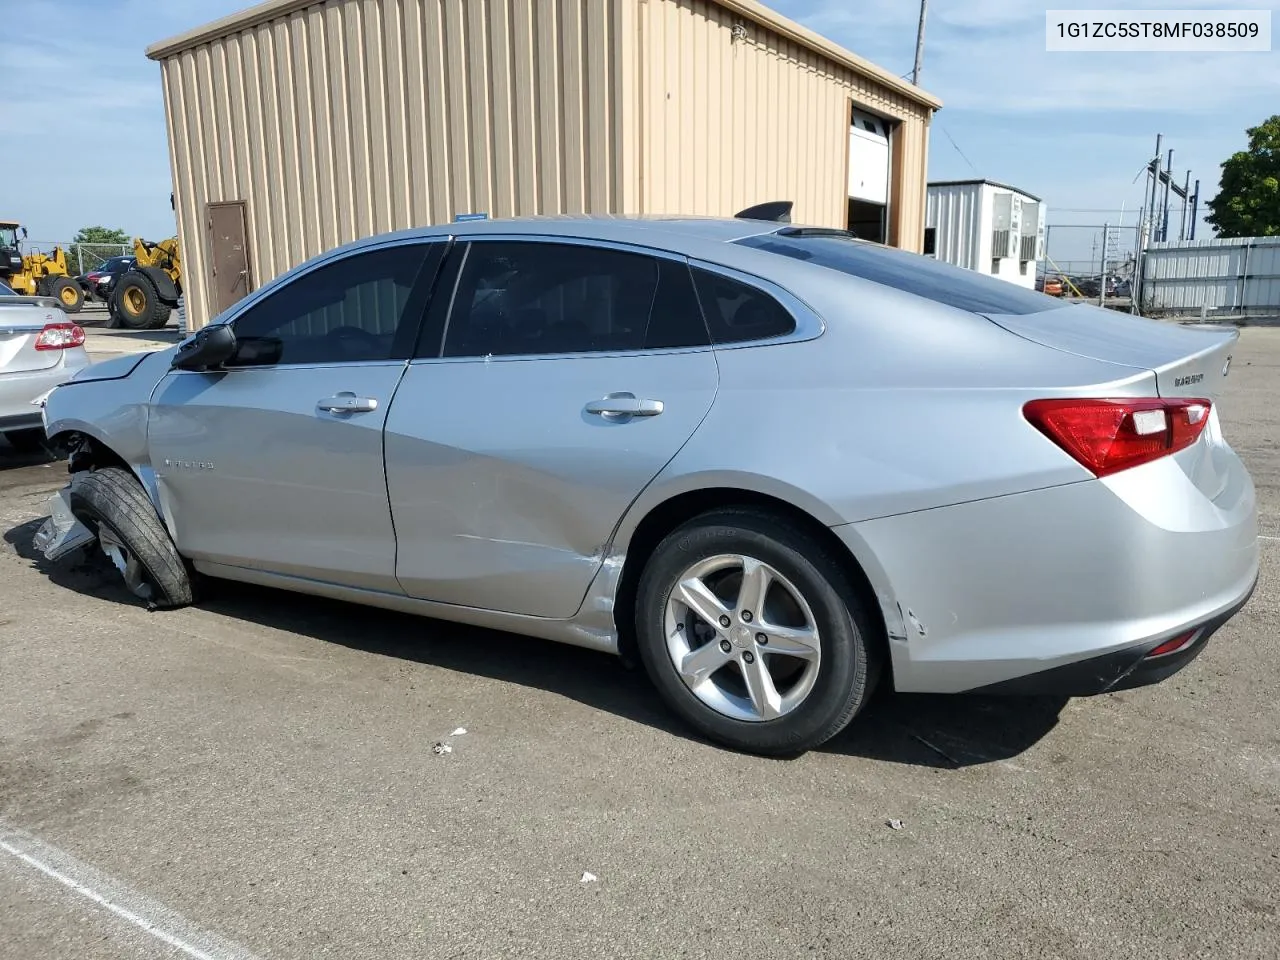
[
  {"x": 24, "y": 233},
  {"x": 210, "y": 347}
]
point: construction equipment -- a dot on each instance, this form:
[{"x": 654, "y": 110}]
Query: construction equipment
[
  {"x": 37, "y": 274},
  {"x": 142, "y": 298}
]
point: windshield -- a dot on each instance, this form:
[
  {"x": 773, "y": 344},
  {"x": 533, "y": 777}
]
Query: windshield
[
  {"x": 8, "y": 236},
  {"x": 922, "y": 276}
]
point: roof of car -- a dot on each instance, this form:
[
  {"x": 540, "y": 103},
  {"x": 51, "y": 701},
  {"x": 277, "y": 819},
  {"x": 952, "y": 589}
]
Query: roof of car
[
  {"x": 686, "y": 235},
  {"x": 605, "y": 226}
]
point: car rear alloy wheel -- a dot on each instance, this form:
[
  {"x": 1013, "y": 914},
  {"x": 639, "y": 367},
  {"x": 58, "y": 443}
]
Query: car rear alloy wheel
[
  {"x": 752, "y": 629},
  {"x": 742, "y": 638}
]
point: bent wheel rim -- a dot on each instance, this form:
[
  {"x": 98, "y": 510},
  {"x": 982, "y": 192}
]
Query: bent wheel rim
[
  {"x": 742, "y": 638},
  {"x": 125, "y": 561}
]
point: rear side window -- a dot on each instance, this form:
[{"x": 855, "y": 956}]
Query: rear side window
[
  {"x": 526, "y": 298},
  {"x": 922, "y": 276},
  {"x": 737, "y": 312}
]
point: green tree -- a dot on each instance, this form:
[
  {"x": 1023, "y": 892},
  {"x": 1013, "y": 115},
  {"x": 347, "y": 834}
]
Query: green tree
[
  {"x": 1248, "y": 200},
  {"x": 95, "y": 245}
]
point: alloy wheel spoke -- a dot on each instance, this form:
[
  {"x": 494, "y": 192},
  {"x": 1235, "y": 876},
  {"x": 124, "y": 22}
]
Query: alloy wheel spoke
[
  {"x": 799, "y": 642},
  {"x": 699, "y": 664},
  {"x": 764, "y": 695},
  {"x": 756, "y": 579},
  {"x": 697, "y": 596}
]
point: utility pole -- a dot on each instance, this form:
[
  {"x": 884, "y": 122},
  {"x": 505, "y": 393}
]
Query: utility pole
[
  {"x": 1186, "y": 192},
  {"x": 1195, "y": 206},
  {"x": 915, "y": 72},
  {"x": 1153, "y": 169}
]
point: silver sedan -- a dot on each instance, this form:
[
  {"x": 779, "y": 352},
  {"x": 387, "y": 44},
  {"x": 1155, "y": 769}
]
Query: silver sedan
[
  {"x": 39, "y": 349},
  {"x": 776, "y": 465}
]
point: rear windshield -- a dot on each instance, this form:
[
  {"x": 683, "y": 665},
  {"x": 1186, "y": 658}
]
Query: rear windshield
[{"x": 922, "y": 276}]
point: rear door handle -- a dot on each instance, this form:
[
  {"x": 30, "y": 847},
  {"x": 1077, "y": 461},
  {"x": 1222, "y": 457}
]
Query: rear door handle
[
  {"x": 347, "y": 402},
  {"x": 624, "y": 406}
]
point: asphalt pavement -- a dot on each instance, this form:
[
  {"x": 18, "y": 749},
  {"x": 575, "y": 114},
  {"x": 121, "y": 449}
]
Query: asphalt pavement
[{"x": 257, "y": 777}]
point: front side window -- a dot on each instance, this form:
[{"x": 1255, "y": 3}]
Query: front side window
[
  {"x": 525, "y": 298},
  {"x": 349, "y": 310}
]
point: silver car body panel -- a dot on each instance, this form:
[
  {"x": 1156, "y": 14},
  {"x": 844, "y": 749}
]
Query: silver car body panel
[
  {"x": 513, "y": 502},
  {"x": 117, "y": 368},
  {"x": 114, "y": 411},
  {"x": 1002, "y": 588},
  {"x": 252, "y": 472},
  {"x": 893, "y": 420}
]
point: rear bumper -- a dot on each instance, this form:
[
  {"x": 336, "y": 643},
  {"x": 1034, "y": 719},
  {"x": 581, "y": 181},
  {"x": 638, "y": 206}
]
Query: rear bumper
[
  {"x": 1065, "y": 588},
  {"x": 1121, "y": 670}
]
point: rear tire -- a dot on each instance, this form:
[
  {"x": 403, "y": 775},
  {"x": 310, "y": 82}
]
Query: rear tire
[
  {"x": 136, "y": 304},
  {"x": 818, "y": 664},
  {"x": 68, "y": 293},
  {"x": 112, "y": 503},
  {"x": 26, "y": 441}
]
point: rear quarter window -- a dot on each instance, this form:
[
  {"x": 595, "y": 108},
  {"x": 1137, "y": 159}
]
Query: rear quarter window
[
  {"x": 922, "y": 276},
  {"x": 738, "y": 313}
]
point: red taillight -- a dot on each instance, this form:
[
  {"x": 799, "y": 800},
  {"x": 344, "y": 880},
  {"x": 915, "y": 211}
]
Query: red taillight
[
  {"x": 1174, "y": 644},
  {"x": 1111, "y": 435},
  {"x": 60, "y": 336}
]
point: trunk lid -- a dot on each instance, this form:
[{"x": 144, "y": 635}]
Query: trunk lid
[
  {"x": 21, "y": 320},
  {"x": 1188, "y": 361}
]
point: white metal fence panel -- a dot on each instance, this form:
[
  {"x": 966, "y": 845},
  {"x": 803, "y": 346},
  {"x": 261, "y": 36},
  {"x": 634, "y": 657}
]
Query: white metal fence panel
[{"x": 1239, "y": 277}]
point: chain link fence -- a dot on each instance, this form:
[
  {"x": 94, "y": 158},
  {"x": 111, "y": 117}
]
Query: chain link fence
[
  {"x": 81, "y": 257},
  {"x": 1091, "y": 260}
]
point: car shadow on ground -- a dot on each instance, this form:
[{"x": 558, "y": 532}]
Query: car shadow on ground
[{"x": 943, "y": 732}]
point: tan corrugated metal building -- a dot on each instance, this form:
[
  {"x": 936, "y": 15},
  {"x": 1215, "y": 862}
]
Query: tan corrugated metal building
[{"x": 299, "y": 125}]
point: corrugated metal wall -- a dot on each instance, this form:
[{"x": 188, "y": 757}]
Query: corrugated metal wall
[
  {"x": 1224, "y": 277},
  {"x": 349, "y": 118},
  {"x": 728, "y": 121},
  {"x": 954, "y": 210},
  {"x": 340, "y": 119}
]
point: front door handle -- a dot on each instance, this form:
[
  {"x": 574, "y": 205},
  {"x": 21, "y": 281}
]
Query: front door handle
[
  {"x": 624, "y": 406},
  {"x": 347, "y": 402}
]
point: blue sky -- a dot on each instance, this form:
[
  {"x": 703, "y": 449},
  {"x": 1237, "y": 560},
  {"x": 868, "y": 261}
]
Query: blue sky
[{"x": 83, "y": 118}]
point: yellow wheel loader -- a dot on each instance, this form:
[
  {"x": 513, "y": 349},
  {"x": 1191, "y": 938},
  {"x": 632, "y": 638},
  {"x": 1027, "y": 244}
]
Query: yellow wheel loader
[
  {"x": 142, "y": 298},
  {"x": 37, "y": 274}
]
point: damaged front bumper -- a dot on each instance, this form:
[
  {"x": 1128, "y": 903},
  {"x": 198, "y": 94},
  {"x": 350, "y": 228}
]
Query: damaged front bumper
[{"x": 62, "y": 532}]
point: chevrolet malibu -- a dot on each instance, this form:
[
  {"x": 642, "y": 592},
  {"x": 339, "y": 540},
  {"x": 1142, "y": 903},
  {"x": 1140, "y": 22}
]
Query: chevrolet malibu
[{"x": 775, "y": 464}]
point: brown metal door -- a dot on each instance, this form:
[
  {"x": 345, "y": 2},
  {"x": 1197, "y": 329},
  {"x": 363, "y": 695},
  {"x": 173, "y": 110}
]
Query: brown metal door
[{"x": 228, "y": 253}]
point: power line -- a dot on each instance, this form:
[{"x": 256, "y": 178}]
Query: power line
[{"x": 959, "y": 151}]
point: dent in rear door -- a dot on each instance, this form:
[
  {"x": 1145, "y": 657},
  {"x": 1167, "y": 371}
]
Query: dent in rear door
[{"x": 505, "y": 491}]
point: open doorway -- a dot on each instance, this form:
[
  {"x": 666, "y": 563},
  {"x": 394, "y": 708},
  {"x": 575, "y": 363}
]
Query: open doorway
[{"x": 868, "y": 211}]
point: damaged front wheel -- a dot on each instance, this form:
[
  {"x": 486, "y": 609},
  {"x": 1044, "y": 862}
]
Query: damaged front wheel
[{"x": 112, "y": 504}]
